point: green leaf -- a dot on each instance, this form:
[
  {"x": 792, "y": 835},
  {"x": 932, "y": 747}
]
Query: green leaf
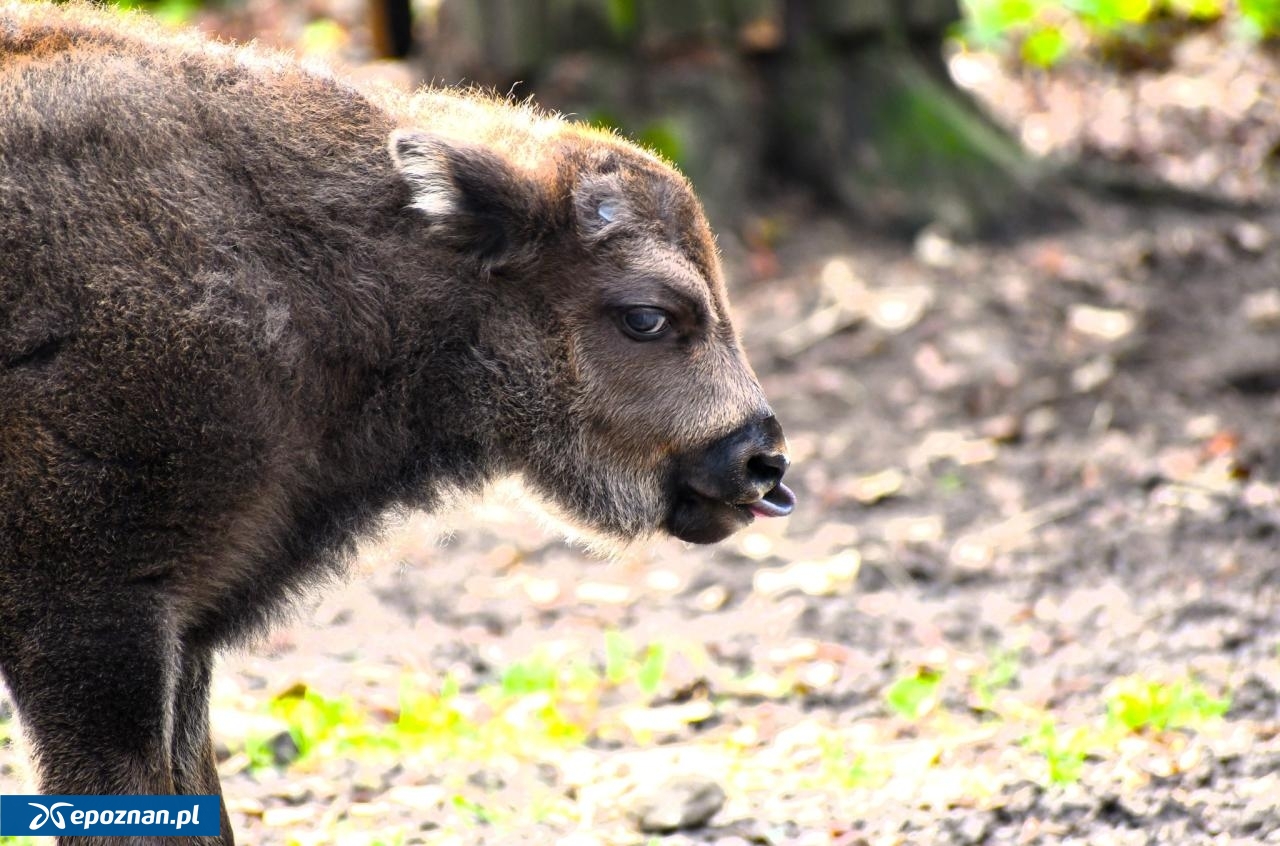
[
  {"x": 651, "y": 671},
  {"x": 622, "y": 16},
  {"x": 1198, "y": 10},
  {"x": 1064, "y": 755},
  {"x": 534, "y": 675},
  {"x": 1261, "y": 17},
  {"x": 617, "y": 657},
  {"x": 915, "y": 695},
  {"x": 1139, "y": 704},
  {"x": 1044, "y": 48},
  {"x": 989, "y": 22}
]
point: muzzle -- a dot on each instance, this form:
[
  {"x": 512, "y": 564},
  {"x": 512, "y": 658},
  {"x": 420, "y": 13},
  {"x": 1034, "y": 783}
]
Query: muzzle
[{"x": 724, "y": 486}]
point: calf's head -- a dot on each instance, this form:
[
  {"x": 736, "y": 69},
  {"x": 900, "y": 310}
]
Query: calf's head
[{"x": 627, "y": 400}]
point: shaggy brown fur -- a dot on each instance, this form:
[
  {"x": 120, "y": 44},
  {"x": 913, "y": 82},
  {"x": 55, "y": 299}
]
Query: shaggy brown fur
[{"x": 245, "y": 308}]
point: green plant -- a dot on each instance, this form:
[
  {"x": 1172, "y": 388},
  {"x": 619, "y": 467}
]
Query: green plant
[
  {"x": 1000, "y": 672},
  {"x": 334, "y": 724},
  {"x": 1138, "y": 704},
  {"x": 537, "y": 702},
  {"x": 846, "y": 769},
  {"x": 1042, "y": 33},
  {"x": 1261, "y": 18},
  {"x": 1064, "y": 753},
  {"x": 623, "y": 663},
  {"x": 474, "y": 810},
  {"x": 914, "y": 695}
]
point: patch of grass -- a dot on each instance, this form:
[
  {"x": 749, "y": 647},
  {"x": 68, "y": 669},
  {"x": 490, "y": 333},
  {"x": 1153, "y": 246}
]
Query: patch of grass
[
  {"x": 915, "y": 695},
  {"x": 1064, "y": 751},
  {"x": 998, "y": 675},
  {"x": 1138, "y": 704},
  {"x": 537, "y": 703},
  {"x": 316, "y": 721},
  {"x": 1134, "y": 705},
  {"x": 847, "y": 769},
  {"x": 474, "y": 811},
  {"x": 625, "y": 663}
]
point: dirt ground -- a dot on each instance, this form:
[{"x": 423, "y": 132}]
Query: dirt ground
[{"x": 1034, "y": 477}]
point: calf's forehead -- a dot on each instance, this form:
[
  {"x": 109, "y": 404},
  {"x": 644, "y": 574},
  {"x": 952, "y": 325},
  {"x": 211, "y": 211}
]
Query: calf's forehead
[{"x": 648, "y": 265}]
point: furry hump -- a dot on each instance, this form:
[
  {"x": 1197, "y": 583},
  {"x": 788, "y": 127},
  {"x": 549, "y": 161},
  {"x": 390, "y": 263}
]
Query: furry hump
[{"x": 517, "y": 127}]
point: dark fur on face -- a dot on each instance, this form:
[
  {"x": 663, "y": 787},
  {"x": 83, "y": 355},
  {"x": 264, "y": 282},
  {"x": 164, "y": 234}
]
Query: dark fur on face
[{"x": 245, "y": 309}]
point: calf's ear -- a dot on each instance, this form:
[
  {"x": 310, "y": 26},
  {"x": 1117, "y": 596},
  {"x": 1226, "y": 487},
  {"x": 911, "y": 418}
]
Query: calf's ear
[{"x": 471, "y": 197}]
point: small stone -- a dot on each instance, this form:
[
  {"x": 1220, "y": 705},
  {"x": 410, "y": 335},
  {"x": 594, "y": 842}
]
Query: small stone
[
  {"x": 418, "y": 796},
  {"x": 289, "y": 817},
  {"x": 711, "y": 599},
  {"x": 972, "y": 829},
  {"x": 1258, "y": 817},
  {"x": 824, "y": 577},
  {"x": 668, "y": 719},
  {"x": 245, "y": 806},
  {"x": 1093, "y": 374},
  {"x": 1251, "y": 237},
  {"x": 602, "y": 593},
  {"x": 293, "y": 792},
  {"x": 1262, "y": 309},
  {"x": 487, "y": 780},
  {"x": 1019, "y": 799},
  {"x": 681, "y": 803},
  {"x": 1002, "y": 427},
  {"x": 1104, "y": 324},
  {"x": 542, "y": 591},
  {"x": 871, "y": 489},
  {"x": 664, "y": 581},
  {"x": 898, "y": 309},
  {"x": 934, "y": 249},
  {"x": 284, "y": 749},
  {"x": 1039, "y": 423}
]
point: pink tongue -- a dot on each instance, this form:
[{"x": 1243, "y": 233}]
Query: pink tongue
[{"x": 776, "y": 503}]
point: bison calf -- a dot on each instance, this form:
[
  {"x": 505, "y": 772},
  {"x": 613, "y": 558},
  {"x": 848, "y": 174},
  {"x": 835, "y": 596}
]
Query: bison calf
[{"x": 246, "y": 308}]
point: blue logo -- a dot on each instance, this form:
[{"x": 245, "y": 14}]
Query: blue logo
[{"x": 72, "y": 816}]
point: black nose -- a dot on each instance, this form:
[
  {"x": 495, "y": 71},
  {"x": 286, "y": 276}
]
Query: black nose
[
  {"x": 765, "y": 470},
  {"x": 745, "y": 467}
]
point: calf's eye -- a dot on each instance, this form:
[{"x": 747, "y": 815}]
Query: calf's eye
[{"x": 644, "y": 323}]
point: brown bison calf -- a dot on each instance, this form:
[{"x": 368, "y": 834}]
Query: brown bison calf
[{"x": 245, "y": 309}]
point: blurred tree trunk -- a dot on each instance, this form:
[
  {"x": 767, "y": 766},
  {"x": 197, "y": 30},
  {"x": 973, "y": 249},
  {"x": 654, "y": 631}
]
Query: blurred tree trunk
[
  {"x": 849, "y": 98},
  {"x": 866, "y": 113}
]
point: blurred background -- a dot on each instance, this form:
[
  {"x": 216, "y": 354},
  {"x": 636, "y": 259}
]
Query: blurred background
[{"x": 1008, "y": 271}]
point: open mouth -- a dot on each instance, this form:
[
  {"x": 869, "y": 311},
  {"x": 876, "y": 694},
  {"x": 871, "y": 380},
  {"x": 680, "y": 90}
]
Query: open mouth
[
  {"x": 697, "y": 518},
  {"x": 778, "y": 502}
]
